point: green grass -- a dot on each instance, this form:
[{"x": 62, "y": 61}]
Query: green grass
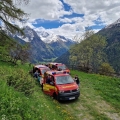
[
  {"x": 99, "y": 94},
  {"x": 107, "y": 87},
  {"x": 16, "y": 105},
  {"x": 99, "y": 99}
]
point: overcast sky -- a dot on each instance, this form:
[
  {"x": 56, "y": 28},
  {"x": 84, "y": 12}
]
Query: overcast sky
[{"x": 71, "y": 17}]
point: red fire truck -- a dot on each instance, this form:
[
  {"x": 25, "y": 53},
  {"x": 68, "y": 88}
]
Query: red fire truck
[
  {"x": 60, "y": 85},
  {"x": 59, "y": 66},
  {"x": 41, "y": 70}
]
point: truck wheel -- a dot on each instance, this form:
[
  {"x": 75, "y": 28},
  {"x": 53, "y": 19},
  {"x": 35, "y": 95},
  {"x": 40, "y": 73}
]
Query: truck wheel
[{"x": 55, "y": 96}]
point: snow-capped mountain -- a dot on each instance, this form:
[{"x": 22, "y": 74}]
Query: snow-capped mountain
[
  {"x": 39, "y": 50},
  {"x": 42, "y": 34},
  {"x": 50, "y": 38},
  {"x": 29, "y": 34},
  {"x": 59, "y": 43},
  {"x": 54, "y": 46}
]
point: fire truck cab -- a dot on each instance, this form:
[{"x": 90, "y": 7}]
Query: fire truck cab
[
  {"x": 60, "y": 85},
  {"x": 59, "y": 66}
]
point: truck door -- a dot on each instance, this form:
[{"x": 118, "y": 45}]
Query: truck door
[{"x": 48, "y": 86}]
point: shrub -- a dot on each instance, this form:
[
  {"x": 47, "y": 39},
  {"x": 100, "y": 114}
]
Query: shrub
[
  {"x": 21, "y": 81},
  {"x": 106, "y": 69}
]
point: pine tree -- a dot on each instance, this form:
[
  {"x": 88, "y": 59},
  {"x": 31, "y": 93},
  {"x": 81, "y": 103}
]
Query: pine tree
[{"x": 10, "y": 13}]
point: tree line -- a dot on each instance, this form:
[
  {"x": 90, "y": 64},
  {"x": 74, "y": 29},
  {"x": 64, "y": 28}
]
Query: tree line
[{"x": 90, "y": 54}]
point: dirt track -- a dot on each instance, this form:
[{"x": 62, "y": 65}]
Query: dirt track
[{"x": 91, "y": 106}]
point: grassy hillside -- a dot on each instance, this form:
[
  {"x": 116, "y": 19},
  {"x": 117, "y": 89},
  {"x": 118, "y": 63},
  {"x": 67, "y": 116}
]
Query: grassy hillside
[
  {"x": 99, "y": 98},
  {"x": 16, "y": 105}
]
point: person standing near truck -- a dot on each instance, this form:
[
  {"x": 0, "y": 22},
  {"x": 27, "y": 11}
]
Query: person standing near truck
[
  {"x": 76, "y": 79},
  {"x": 36, "y": 74}
]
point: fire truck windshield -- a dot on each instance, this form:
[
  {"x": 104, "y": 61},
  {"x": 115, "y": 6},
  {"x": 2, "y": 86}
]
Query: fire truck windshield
[
  {"x": 45, "y": 70},
  {"x": 64, "y": 79},
  {"x": 63, "y": 67}
]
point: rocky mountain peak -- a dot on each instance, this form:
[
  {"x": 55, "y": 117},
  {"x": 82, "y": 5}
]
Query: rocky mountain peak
[{"x": 43, "y": 46}]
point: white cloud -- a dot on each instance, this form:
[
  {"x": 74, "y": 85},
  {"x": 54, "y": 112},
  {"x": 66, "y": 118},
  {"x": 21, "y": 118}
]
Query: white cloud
[
  {"x": 45, "y": 9},
  {"x": 66, "y": 30},
  {"x": 106, "y": 11}
]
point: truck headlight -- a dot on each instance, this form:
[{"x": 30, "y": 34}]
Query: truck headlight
[
  {"x": 77, "y": 89},
  {"x": 61, "y": 91}
]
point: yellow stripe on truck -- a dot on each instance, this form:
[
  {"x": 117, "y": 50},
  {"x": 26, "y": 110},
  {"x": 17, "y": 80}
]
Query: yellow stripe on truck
[{"x": 47, "y": 87}]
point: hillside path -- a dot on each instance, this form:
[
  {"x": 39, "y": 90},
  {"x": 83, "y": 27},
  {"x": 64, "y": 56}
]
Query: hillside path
[{"x": 91, "y": 106}]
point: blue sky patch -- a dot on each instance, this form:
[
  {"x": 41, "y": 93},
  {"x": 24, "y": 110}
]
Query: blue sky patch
[
  {"x": 73, "y": 15},
  {"x": 47, "y": 24},
  {"x": 66, "y": 6}
]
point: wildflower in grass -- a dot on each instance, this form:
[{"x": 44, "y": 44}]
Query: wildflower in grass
[
  {"x": 55, "y": 101},
  {"x": 64, "y": 111},
  {"x": 58, "y": 106}
]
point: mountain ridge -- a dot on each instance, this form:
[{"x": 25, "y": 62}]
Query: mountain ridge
[
  {"x": 41, "y": 51},
  {"x": 112, "y": 50}
]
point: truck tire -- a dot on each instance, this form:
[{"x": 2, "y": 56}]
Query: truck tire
[{"x": 55, "y": 96}]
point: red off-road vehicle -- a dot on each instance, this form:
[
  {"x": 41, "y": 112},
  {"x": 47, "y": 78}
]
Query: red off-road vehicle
[
  {"x": 41, "y": 70},
  {"x": 60, "y": 85},
  {"x": 58, "y": 66}
]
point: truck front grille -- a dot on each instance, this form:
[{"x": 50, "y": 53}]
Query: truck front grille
[{"x": 69, "y": 91}]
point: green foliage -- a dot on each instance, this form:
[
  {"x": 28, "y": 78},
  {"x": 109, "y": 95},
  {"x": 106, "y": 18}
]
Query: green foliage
[
  {"x": 14, "y": 105},
  {"x": 21, "y": 81},
  {"x": 104, "y": 46},
  {"x": 113, "y": 48},
  {"x": 38, "y": 106},
  {"x": 10, "y": 12},
  {"x": 5, "y": 46},
  {"x": 20, "y": 52},
  {"x": 88, "y": 33},
  {"x": 106, "y": 69},
  {"x": 114, "y": 56},
  {"x": 12, "y": 51},
  {"x": 90, "y": 51}
]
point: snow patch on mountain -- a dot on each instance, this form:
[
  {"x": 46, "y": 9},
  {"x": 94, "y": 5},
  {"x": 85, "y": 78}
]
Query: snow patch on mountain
[
  {"x": 52, "y": 38},
  {"x": 29, "y": 34},
  {"x": 46, "y": 37},
  {"x": 26, "y": 39},
  {"x": 49, "y": 38}
]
